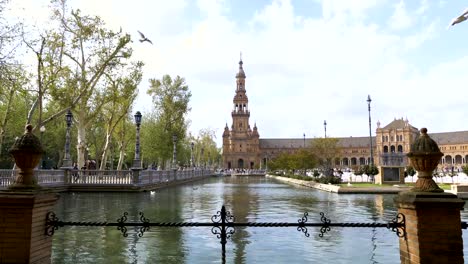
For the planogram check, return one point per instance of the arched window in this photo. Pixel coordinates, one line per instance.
(337, 161)
(385, 149)
(400, 148)
(392, 149)
(353, 161)
(345, 162)
(448, 159)
(362, 161)
(240, 164)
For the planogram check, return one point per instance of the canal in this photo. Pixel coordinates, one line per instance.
(249, 199)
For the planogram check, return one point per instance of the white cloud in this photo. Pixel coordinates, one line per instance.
(400, 19)
(300, 70)
(423, 7)
(355, 8)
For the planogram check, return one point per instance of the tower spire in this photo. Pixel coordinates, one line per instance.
(241, 73)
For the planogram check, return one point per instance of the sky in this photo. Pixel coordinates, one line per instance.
(306, 61)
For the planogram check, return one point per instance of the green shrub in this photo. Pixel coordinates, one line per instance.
(329, 179)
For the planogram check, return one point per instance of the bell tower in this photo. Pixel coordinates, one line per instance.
(240, 143)
(240, 113)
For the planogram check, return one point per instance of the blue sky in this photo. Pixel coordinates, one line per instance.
(305, 60)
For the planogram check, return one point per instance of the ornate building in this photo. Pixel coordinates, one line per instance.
(241, 143)
(243, 148)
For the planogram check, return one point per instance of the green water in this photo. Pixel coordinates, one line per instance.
(249, 199)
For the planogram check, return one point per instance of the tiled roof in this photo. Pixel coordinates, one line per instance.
(397, 124)
(356, 142)
(299, 142)
(450, 137)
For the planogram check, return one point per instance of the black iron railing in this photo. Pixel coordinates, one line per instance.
(223, 226)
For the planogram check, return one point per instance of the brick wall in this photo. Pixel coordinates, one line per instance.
(433, 230)
(22, 227)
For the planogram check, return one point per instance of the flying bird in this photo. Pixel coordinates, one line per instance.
(143, 38)
(460, 19)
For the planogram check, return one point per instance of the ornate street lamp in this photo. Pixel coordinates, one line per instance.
(42, 130)
(66, 159)
(191, 155)
(325, 126)
(136, 161)
(370, 131)
(174, 152)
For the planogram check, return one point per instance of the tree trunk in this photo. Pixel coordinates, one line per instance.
(121, 156)
(5, 118)
(105, 151)
(81, 146)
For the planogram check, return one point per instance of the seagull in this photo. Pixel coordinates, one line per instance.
(143, 38)
(460, 19)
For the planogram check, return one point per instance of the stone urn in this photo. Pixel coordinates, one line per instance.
(27, 152)
(424, 156)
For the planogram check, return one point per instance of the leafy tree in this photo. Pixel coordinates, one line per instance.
(325, 150)
(206, 141)
(74, 59)
(171, 98)
(300, 160)
(13, 100)
(280, 162)
(410, 171)
(465, 169)
(121, 94)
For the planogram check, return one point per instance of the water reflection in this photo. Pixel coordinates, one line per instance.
(249, 199)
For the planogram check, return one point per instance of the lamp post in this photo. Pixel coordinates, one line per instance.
(304, 139)
(42, 130)
(66, 159)
(370, 131)
(87, 154)
(174, 152)
(136, 161)
(325, 126)
(191, 155)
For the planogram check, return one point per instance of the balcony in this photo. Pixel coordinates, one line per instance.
(393, 159)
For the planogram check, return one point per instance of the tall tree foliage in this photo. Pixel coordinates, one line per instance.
(89, 50)
(121, 93)
(205, 151)
(12, 75)
(171, 99)
(325, 150)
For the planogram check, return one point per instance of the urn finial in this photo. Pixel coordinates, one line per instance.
(27, 152)
(424, 156)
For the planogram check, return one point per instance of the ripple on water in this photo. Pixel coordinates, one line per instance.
(253, 199)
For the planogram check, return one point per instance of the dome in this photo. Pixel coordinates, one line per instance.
(241, 73)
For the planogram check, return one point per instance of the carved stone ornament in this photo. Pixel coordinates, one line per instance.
(424, 156)
(27, 152)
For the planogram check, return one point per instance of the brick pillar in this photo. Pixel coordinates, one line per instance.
(22, 227)
(433, 228)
